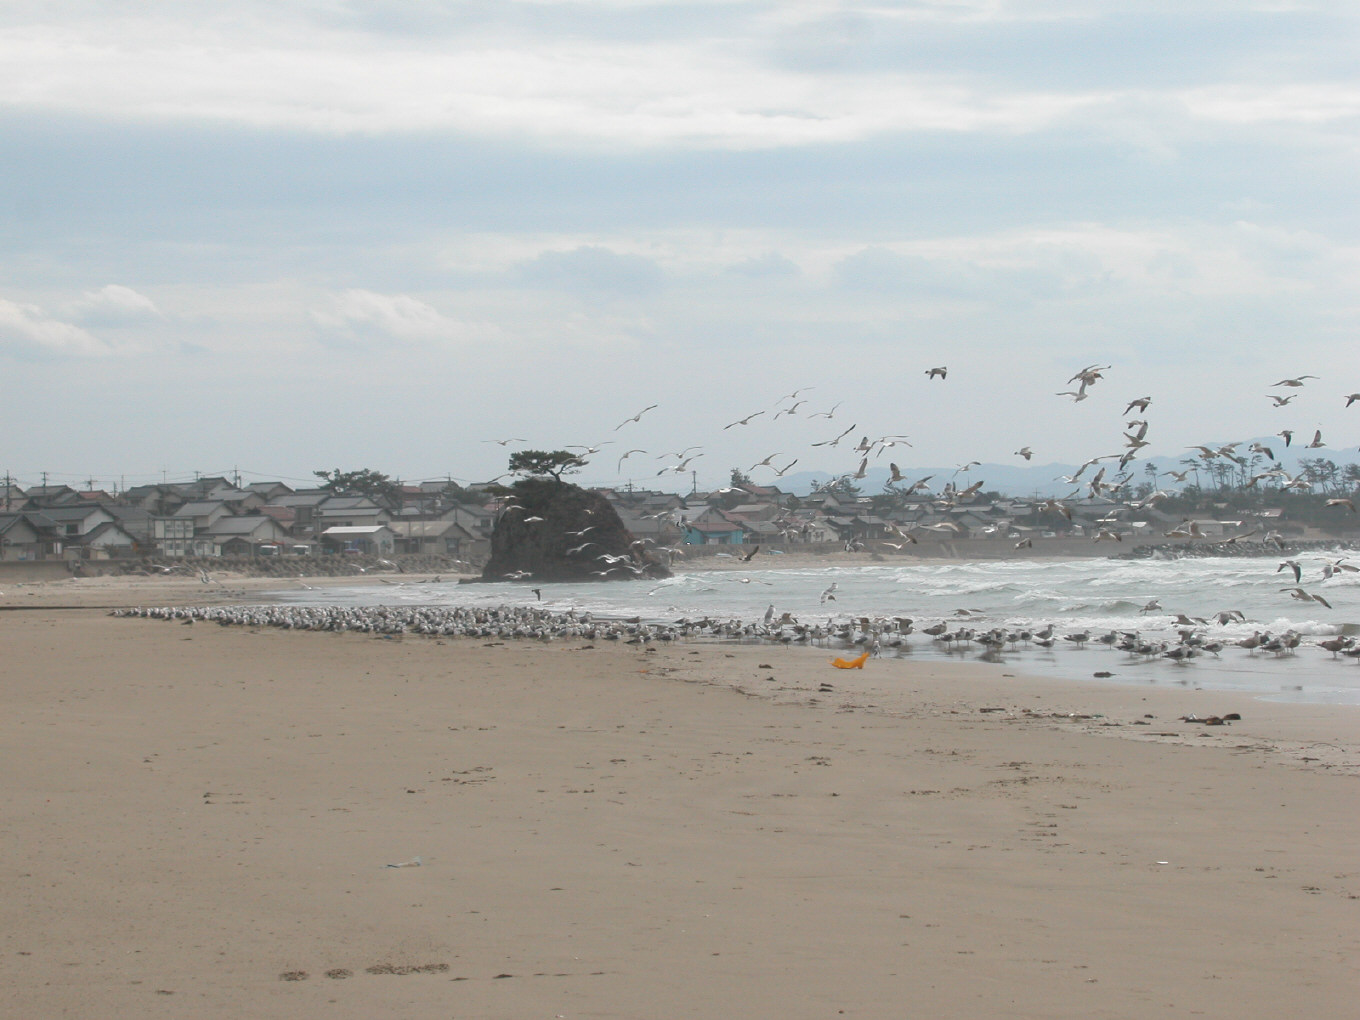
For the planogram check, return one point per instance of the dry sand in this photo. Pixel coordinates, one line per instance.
(198, 822)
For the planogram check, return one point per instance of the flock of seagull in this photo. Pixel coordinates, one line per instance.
(1134, 440)
(1109, 481)
(876, 636)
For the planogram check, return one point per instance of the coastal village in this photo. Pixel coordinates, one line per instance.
(217, 518)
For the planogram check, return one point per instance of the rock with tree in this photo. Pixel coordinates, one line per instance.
(551, 530)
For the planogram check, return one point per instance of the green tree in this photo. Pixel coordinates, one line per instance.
(540, 463)
(740, 477)
(456, 493)
(364, 482)
(841, 488)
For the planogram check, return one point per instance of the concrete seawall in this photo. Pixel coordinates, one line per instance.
(23, 571)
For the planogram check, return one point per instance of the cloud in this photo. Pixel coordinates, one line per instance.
(593, 269)
(28, 332)
(770, 265)
(116, 305)
(634, 78)
(881, 270)
(365, 314)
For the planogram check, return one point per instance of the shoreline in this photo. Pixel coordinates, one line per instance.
(209, 821)
(1229, 676)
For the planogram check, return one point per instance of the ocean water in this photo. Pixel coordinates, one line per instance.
(1092, 595)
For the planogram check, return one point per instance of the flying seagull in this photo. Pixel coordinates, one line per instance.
(626, 456)
(1304, 596)
(636, 417)
(1294, 566)
(743, 421)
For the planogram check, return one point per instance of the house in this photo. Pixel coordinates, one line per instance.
(710, 526)
(106, 541)
(70, 522)
(173, 537)
(203, 513)
(41, 496)
(349, 512)
(21, 538)
(269, 491)
(659, 530)
(433, 538)
(761, 532)
(134, 520)
(368, 539)
(763, 493)
(303, 504)
(477, 520)
(286, 517)
(206, 488)
(242, 501)
(755, 511)
(808, 528)
(713, 532)
(159, 500)
(243, 535)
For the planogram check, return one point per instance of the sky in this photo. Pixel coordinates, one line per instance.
(280, 237)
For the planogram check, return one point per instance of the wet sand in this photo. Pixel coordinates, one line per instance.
(199, 822)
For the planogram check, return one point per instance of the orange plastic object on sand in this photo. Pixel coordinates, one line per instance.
(850, 663)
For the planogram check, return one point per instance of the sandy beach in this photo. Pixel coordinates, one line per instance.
(204, 821)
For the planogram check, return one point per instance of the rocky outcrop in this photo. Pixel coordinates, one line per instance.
(556, 531)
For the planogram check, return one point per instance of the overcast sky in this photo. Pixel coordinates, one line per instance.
(284, 236)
